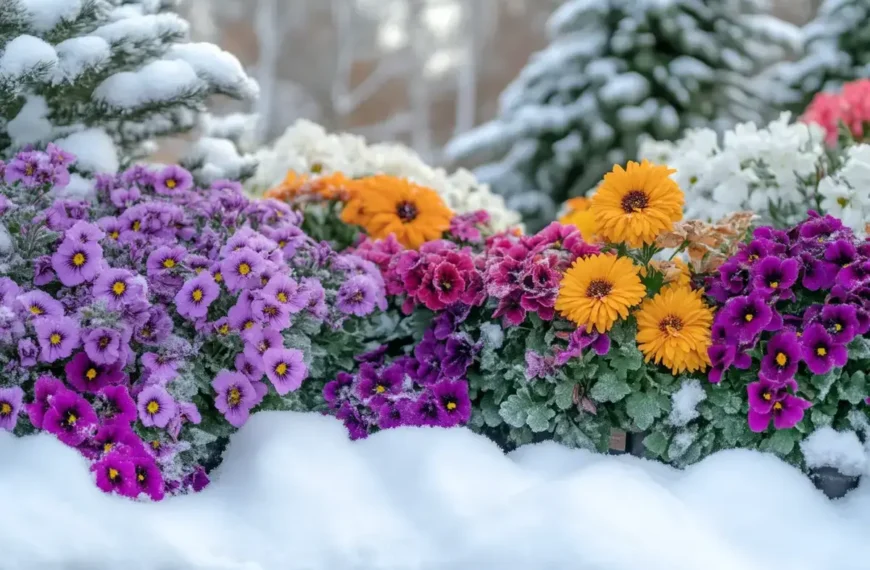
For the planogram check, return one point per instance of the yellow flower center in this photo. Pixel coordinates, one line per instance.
(777, 406)
(145, 332)
(71, 419)
(282, 297)
(634, 201)
(281, 244)
(781, 359)
(281, 369)
(753, 257)
(198, 270)
(599, 288)
(451, 405)
(234, 397)
(249, 324)
(380, 389)
(171, 183)
(36, 310)
(838, 327)
(196, 295)
(114, 234)
(218, 277)
(843, 202)
(119, 287)
(140, 477)
(244, 269)
(91, 373)
(774, 284)
(748, 317)
(168, 263)
(822, 351)
(107, 447)
(766, 396)
(155, 444)
(55, 339)
(79, 259)
(136, 225)
(671, 325)
(5, 409)
(263, 280)
(224, 329)
(153, 407)
(113, 473)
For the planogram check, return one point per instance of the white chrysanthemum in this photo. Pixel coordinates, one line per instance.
(846, 193)
(307, 147)
(771, 171)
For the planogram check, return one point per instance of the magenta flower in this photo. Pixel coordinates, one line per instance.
(116, 473)
(10, 406)
(285, 368)
(394, 413)
(77, 262)
(780, 363)
(379, 385)
(841, 322)
(160, 368)
(156, 406)
(235, 396)
(172, 180)
(102, 345)
(579, 341)
(44, 389)
(118, 437)
(241, 269)
(196, 295)
(116, 405)
(57, 337)
(429, 410)
(240, 315)
(747, 316)
(148, 479)
(357, 296)
(785, 413)
(87, 376)
(452, 397)
(35, 304)
(820, 352)
(70, 417)
(775, 276)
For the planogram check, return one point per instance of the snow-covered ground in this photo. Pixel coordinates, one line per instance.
(294, 493)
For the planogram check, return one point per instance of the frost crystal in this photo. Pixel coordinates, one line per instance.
(685, 403)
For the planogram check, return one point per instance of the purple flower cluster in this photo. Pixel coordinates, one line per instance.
(524, 273)
(132, 317)
(797, 296)
(427, 388)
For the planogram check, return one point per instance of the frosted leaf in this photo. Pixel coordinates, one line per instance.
(843, 451)
(680, 443)
(25, 54)
(685, 402)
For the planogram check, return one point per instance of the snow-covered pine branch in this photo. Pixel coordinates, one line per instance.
(615, 71)
(124, 67)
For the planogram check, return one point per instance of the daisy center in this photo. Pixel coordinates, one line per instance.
(406, 211)
(281, 369)
(234, 397)
(153, 407)
(119, 287)
(91, 373)
(599, 288)
(168, 263)
(822, 351)
(634, 201)
(79, 259)
(5, 409)
(55, 339)
(196, 295)
(781, 359)
(671, 325)
(244, 269)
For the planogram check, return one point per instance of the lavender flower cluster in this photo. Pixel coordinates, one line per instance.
(789, 298)
(140, 327)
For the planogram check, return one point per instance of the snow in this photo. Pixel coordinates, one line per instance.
(25, 53)
(219, 158)
(842, 450)
(31, 125)
(685, 401)
(44, 15)
(79, 54)
(627, 88)
(216, 66)
(94, 150)
(79, 188)
(294, 492)
(135, 29)
(159, 81)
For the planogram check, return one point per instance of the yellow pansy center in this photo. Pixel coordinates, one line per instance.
(91, 373)
(168, 263)
(218, 277)
(380, 389)
(71, 419)
(748, 317)
(234, 397)
(281, 369)
(171, 183)
(119, 287)
(36, 310)
(196, 295)
(114, 235)
(248, 324)
(153, 407)
(137, 225)
(113, 473)
(5, 409)
(777, 406)
(79, 259)
(838, 327)
(774, 284)
(781, 359)
(140, 476)
(55, 339)
(766, 396)
(282, 297)
(822, 351)
(224, 329)
(244, 269)
(451, 405)
(107, 447)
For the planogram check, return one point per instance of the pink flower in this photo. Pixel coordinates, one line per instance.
(851, 106)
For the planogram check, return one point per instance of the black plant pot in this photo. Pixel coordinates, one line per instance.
(635, 445)
(832, 483)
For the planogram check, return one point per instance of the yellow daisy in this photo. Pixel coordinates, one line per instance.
(599, 290)
(673, 328)
(580, 216)
(636, 204)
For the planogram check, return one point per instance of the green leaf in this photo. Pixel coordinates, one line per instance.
(627, 358)
(514, 410)
(564, 395)
(733, 428)
(609, 388)
(656, 443)
(859, 349)
(643, 409)
(490, 412)
(853, 390)
(539, 417)
(825, 381)
(819, 417)
(781, 442)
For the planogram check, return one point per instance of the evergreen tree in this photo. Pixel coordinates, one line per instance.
(615, 72)
(836, 51)
(105, 77)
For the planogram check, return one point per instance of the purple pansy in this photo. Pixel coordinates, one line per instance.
(117, 406)
(69, 417)
(285, 368)
(86, 375)
(235, 396)
(172, 180)
(820, 351)
(116, 473)
(76, 262)
(452, 398)
(57, 337)
(775, 276)
(156, 407)
(36, 304)
(780, 362)
(241, 269)
(196, 295)
(102, 345)
(10, 406)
